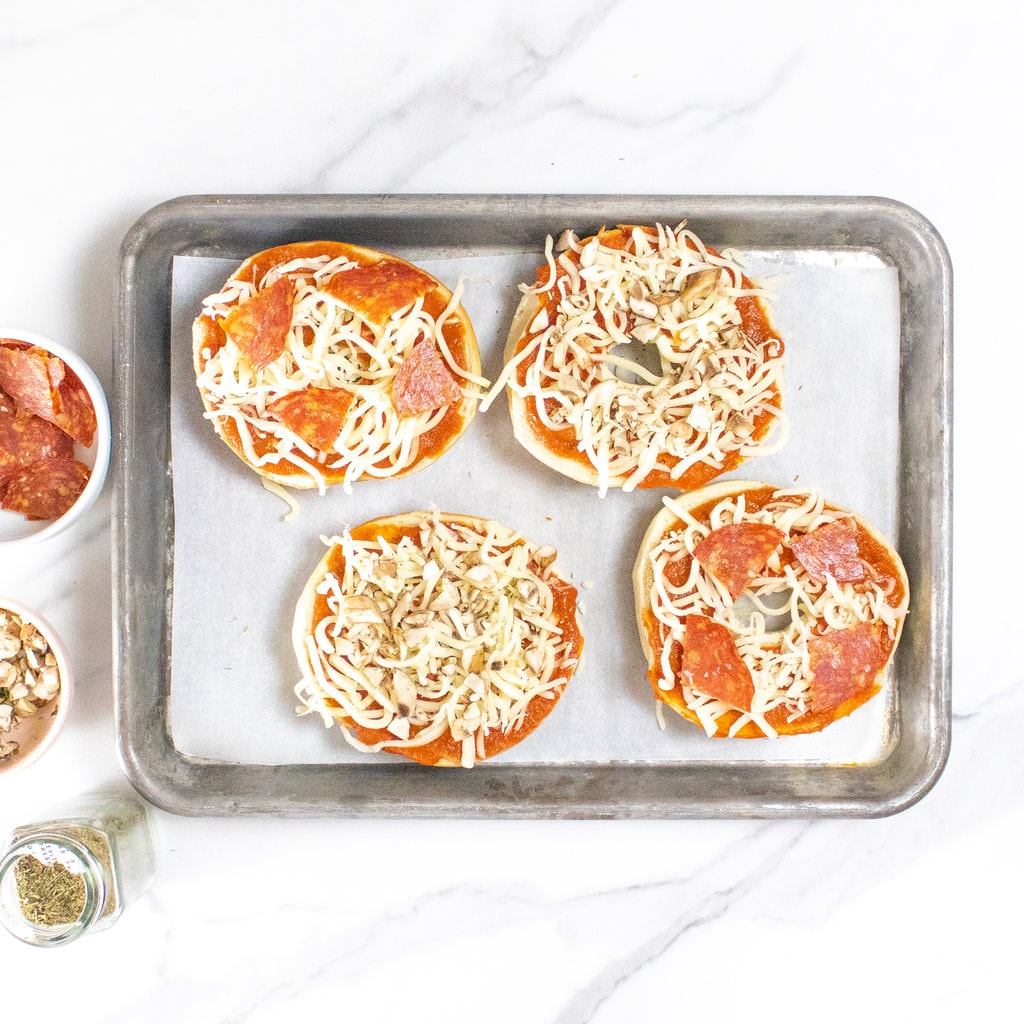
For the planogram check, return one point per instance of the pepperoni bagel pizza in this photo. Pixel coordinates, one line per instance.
(764, 611)
(642, 357)
(443, 638)
(322, 363)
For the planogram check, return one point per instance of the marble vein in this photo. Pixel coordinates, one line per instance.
(706, 908)
(453, 107)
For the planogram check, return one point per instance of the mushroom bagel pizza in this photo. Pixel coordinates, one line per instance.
(322, 363)
(443, 638)
(641, 357)
(765, 611)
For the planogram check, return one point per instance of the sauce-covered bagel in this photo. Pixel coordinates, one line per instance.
(765, 611)
(322, 363)
(642, 358)
(444, 638)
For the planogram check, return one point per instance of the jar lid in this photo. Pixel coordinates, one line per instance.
(52, 889)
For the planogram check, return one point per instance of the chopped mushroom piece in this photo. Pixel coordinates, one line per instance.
(700, 286)
(359, 608)
(545, 556)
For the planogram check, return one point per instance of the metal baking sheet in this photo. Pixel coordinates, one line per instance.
(900, 467)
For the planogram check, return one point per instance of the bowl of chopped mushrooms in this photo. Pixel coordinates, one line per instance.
(35, 686)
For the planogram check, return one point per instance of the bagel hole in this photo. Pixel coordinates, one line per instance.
(773, 606)
(642, 353)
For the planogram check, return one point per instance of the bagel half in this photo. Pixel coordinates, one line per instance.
(581, 403)
(322, 363)
(764, 611)
(443, 638)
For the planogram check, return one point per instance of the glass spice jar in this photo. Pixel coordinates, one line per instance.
(76, 870)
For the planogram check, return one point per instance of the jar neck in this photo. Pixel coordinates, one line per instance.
(36, 930)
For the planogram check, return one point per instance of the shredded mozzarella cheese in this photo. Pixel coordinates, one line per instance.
(285, 495)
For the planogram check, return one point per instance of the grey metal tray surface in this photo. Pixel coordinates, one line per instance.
(719, 782)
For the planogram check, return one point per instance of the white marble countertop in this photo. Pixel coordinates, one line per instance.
(112, 106)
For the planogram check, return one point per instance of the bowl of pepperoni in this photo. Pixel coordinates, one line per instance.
(54, 437)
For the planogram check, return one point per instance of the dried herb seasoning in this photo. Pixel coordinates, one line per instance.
(98, 846)
(49, 894)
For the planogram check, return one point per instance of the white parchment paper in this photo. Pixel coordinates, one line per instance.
(239, 568)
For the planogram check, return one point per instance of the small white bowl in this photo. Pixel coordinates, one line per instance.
(36, 734)
(15, 529)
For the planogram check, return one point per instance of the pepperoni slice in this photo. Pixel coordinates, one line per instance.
(26, 438)
(77, 415)
(736, 553)
(32, 377)
(423, 382)
(831, 550)
(46, 489)
(712, 664)
(844, 664)
(381, 289)
(315, 414)
(259, 326)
